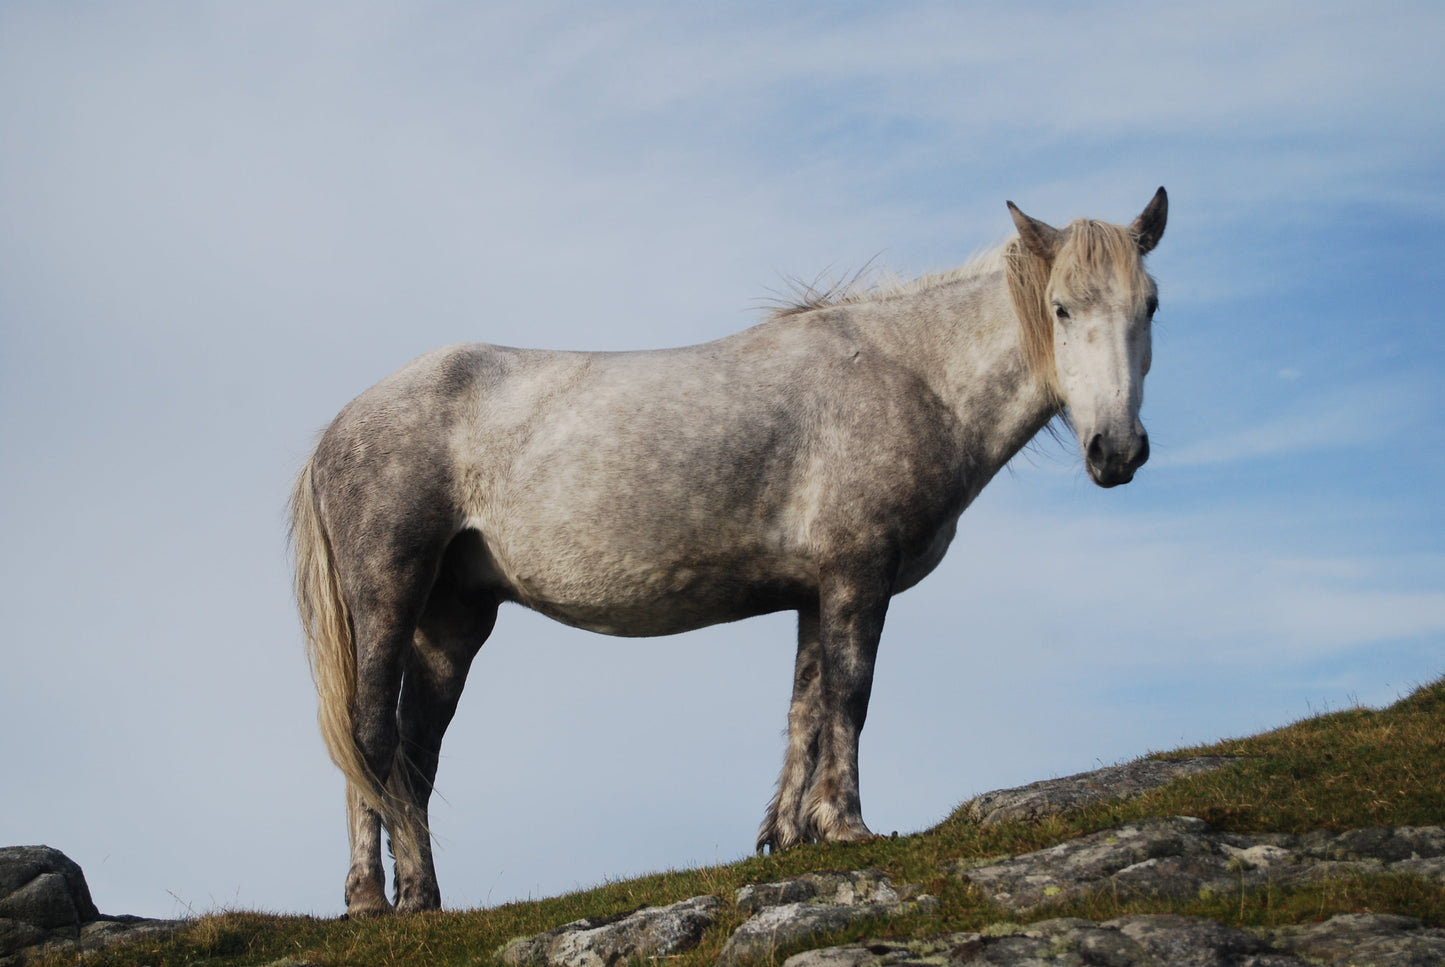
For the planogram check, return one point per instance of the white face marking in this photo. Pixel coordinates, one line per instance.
(1102, 350)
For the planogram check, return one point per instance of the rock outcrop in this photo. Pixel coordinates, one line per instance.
(45, 906)
(1182, 858)
(794, 910)
(644, 934)
(1053, 796)
(1349, 940)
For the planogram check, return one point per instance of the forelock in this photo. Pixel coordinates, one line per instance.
(1094, 252)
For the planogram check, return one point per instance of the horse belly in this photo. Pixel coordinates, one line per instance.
(619, 583)
(646, 618)
(639, 600)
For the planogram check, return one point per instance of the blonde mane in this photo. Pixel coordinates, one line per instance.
(863, 286)
(1028, 283)
(1088, 250)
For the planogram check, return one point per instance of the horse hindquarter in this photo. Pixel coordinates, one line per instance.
(376, 502)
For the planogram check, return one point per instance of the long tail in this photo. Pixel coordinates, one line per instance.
(331, 649)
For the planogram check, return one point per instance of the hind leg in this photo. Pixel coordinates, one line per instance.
(383, 635)
(783, 825)
(387, 591)
(453, 627)
(365, 880)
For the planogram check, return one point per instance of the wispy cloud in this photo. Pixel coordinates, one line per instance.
(1367, 415)
(1225, 579)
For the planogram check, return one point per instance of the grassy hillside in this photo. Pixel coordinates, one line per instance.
(1337, 771)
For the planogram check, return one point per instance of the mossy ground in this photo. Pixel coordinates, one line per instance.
(1344, 770)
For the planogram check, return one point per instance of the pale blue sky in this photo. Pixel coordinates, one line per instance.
(219, 222)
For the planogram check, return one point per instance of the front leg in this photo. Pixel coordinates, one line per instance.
(853, 604)
(783, 826)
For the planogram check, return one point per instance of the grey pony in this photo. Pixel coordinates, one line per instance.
(817, 463)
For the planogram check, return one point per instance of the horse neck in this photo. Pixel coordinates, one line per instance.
(964, 340)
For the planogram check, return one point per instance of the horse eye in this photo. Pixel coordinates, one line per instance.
(1060, 311)
(1152, 305)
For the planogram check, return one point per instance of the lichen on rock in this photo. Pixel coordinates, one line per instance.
(1184, 857)
(646, 933)
(791, 911)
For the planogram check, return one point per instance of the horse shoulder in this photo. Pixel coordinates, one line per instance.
(880, 455)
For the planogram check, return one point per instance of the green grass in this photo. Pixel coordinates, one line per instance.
(1348, 769)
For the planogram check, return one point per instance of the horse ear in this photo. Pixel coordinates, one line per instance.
(1148, 228)
(1040, 239)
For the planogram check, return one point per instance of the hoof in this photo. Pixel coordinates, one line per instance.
(419, 905)
(780, 837)
(363, 904)
(851, 832)
(368, 911)
(771, 847)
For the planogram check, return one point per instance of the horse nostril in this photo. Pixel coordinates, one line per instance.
(1095, 451)
(1143, 450)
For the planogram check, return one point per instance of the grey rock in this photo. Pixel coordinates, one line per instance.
(844, 889)
(1065, 870)
(649, 932)
(17, 935)
(1176, 941)
(811, 905)
(44, 902)
(1183, 857)
(1366, 939)
(44, 887)
(109, 931)
(762, 934)
(1191, 941)
(89, 938)
(848, 955)
(1384, 844)
(1053, 796)
(1430, 867)
(45, 907)
(1361, 940)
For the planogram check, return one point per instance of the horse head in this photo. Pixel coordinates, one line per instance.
(1085, 294)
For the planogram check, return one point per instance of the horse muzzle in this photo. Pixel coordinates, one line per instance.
(1112, 461)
